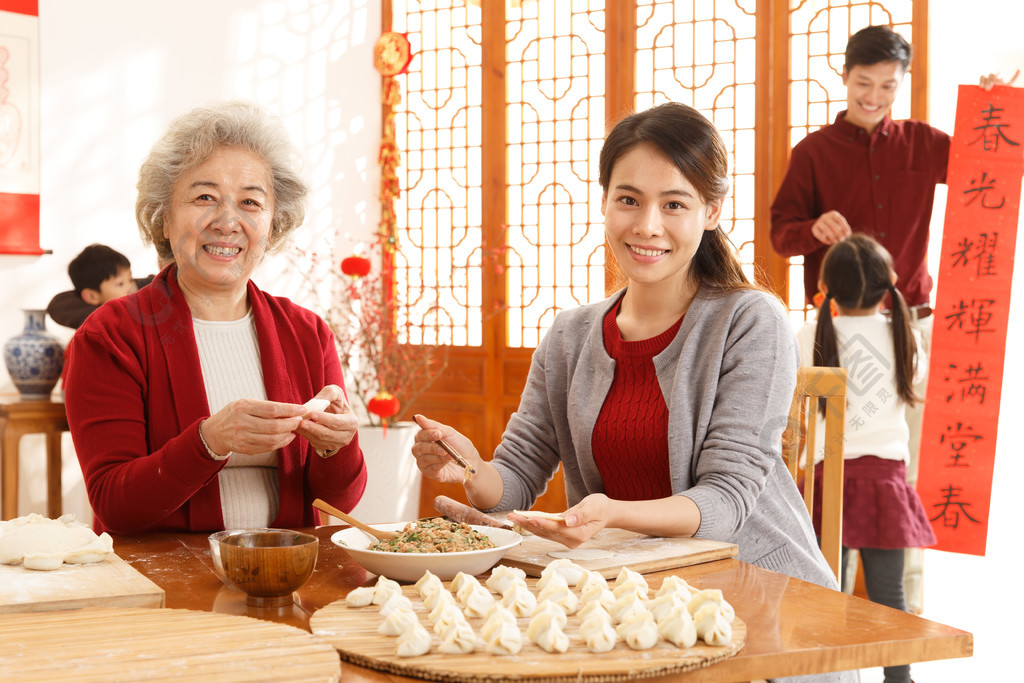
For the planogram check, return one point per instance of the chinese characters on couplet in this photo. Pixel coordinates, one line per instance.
(958, 438)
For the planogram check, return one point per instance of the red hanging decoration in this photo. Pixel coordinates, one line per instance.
(356, 266)
(383, 405)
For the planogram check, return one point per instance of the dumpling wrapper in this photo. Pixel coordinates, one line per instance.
(540, 514)
(315, 405)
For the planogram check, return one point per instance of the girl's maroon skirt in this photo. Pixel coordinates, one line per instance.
(880, 510)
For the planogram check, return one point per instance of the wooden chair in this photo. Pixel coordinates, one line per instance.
(800, 437)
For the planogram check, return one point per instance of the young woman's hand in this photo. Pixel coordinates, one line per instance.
(581, 522)
(435, 462)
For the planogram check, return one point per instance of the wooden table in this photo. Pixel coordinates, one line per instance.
(18, 418)
(793, 627)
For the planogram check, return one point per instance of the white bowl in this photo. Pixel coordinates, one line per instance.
(411, 566)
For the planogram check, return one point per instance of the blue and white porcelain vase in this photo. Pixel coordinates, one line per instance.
(34, 358)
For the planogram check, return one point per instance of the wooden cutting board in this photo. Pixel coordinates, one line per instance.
(110, 583)
(353, 631)
(116, 644)
(612, 549)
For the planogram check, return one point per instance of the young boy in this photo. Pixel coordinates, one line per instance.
(99, 274)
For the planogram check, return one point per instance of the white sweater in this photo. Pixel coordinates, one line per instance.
(876, 421)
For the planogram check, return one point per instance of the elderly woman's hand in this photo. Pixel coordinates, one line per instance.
(249, 427)
(334, 427)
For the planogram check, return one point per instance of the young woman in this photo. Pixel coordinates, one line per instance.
(665, 403)
(882, 514)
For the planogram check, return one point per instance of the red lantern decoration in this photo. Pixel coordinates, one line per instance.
(356, 266)
(383, 405)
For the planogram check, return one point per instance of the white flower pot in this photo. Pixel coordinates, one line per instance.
(393, 480)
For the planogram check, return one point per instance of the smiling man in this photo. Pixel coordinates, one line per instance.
(865, 173)
(868, 174)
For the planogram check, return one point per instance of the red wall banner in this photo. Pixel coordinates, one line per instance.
(961, 413)
(19, 127)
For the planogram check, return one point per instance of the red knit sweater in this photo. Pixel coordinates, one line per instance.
(630, 441)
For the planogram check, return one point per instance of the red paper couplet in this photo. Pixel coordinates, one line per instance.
(961, 413)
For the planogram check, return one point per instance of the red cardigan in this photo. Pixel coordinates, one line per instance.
(135, 396)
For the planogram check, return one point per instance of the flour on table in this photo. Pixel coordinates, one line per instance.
(582, 554)
(37, 542)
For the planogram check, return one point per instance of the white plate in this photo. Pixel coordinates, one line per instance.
(411, 566)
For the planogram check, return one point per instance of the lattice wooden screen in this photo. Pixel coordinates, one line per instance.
(703, 53)
(707, 53)
(438, 262)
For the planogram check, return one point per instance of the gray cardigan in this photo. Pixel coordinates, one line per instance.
(728, 379)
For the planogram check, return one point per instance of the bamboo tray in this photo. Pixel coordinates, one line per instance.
(353, 631)
(138, 644)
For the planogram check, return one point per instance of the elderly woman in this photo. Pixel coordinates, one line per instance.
(186, 399)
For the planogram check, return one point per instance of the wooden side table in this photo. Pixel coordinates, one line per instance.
(18, 418)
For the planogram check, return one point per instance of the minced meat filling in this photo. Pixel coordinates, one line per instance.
(436, 535)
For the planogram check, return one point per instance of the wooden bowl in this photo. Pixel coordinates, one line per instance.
(268, 565)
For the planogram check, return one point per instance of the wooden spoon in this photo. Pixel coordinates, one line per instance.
(331, 510)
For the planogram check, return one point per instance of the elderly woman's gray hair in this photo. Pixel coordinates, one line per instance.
(192, 138)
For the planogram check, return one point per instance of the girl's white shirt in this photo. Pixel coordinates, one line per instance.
(876, 421)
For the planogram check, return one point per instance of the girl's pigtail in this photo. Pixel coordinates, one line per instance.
(826, 347)
(904, 348)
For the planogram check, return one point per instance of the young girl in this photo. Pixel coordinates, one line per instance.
(882, 514)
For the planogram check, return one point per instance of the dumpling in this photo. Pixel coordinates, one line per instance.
(629, 581)
(593, 610)
(396, 601)
(664, 604)
(639, 630)
(360, 597)
(596, 593)
(467, 586)
(460, 580)
(674, 584)
(711, 624)
(502, 577)
(545, 630)
(501, 632)
(558, 592)
(459, 639)
(556, 612)
(415, 641)
(498, 614)
(448, 617)
(397, 622)
(564, 567)
(520, 600)
(597, 632)
(384, 589)
(591, 578)
(431, 602)
(677, 626)
(427, 584)
(714, 595)
(626, 606)
(478, 602)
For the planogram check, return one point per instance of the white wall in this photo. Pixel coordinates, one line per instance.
(115, 72)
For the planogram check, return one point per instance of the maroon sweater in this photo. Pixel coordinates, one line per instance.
(135, 396)
(883, 183)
